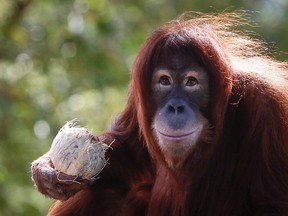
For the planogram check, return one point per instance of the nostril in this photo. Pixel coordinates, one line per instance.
(175, 109)
(171, 109)
(180, 109)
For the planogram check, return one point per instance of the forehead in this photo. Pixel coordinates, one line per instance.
(176, 60)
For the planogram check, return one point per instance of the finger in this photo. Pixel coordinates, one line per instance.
(64, 178)
(91, 181)
(56, 194)
(69, 179)
(62, 191)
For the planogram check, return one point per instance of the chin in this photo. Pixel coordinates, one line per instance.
(177, 147)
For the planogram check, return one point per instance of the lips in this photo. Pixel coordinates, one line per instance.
(176, 136)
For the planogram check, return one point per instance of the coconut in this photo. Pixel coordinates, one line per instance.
(76, 151)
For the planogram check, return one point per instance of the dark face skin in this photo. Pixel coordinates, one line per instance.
(180, 90)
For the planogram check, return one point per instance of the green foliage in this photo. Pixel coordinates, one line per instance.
(63, 59)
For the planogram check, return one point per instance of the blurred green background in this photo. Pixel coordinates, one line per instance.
(65, 59)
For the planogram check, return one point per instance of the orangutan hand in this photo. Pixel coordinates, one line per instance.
(53, 183)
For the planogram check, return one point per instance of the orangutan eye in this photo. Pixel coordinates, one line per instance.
(164, 80)
(192, 81)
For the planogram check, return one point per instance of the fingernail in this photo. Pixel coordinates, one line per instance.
(94, 179)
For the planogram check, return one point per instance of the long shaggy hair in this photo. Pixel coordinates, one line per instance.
(242, 169)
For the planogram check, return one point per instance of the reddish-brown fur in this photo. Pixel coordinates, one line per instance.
(242, 169)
